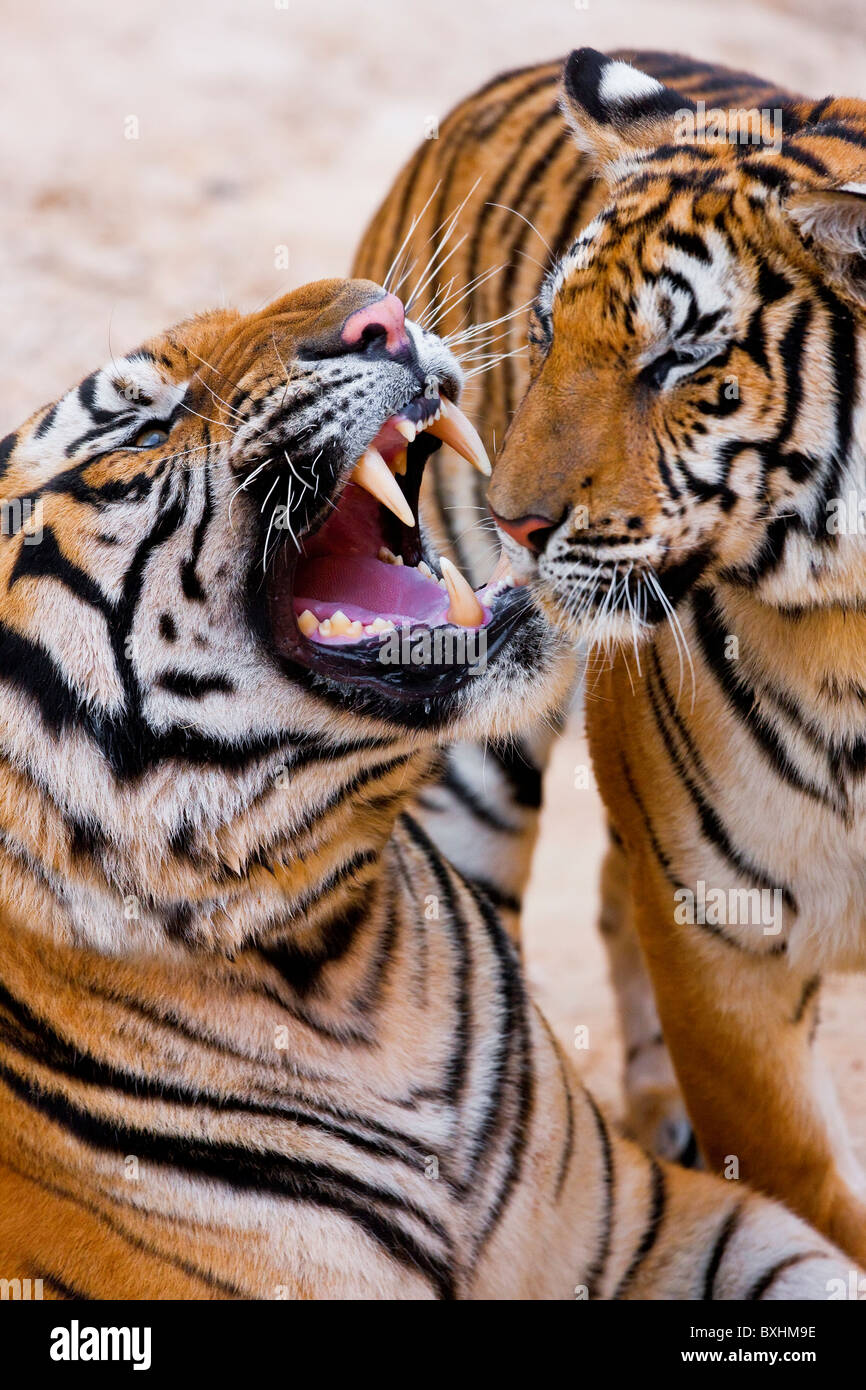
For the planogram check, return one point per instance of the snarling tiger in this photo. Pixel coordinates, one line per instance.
(257, 1037)
(685, 247)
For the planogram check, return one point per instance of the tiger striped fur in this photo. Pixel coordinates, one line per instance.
(690, 416)
(258, 1039)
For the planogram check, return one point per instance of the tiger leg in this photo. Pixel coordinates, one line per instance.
(633, 1227)
(739, 1028)
(655, 1112)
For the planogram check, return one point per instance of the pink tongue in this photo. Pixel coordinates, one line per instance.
(366, 589)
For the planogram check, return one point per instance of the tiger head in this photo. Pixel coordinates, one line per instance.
(695, 408)
(207, 547)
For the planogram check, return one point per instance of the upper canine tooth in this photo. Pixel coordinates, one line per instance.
(464, 608)
(372, 473)
(453, 428)
(407, 429)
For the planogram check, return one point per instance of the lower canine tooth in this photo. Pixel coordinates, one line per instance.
(464, 608)
(308, 623)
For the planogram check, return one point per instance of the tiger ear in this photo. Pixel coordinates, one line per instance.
(833, 221)
(616, 110)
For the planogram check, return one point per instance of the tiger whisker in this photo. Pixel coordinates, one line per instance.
(531, 225)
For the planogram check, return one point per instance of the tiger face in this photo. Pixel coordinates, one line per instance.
(206, 545)
(693, 409)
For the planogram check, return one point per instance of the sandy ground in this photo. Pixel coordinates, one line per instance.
(156, 159)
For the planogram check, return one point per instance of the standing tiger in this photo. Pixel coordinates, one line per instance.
(683, 448)
(257, 1037)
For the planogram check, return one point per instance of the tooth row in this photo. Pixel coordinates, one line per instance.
(389, 558)
(338, 625)
(411, 428)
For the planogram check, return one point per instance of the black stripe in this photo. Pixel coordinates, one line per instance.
(762, 1285)
(60, 1288)
(7, 446)
(712, 826)
(658, 1202)
(35, 1039)
(191, 687)
(741, 698)
(502, 901)
(246, 1170)
(524, 778)
(301, 966)
(689, 242)
(47, 421)
(568, 1140)
(810, 989)
(190, 582)
(473, 803)
(728, 1227)
(516, 1049)
(458, 1064)
(134, 1242)
(599, 1263)
(47, 560)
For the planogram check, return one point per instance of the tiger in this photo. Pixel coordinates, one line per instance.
(258, 1038)
(680, 249)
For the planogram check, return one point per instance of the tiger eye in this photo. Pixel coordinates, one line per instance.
(151, 438)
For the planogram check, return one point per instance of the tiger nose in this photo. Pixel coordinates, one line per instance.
(533, 532)
(380, 324)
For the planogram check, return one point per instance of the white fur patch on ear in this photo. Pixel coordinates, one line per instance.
(620, 82)
(834, 218)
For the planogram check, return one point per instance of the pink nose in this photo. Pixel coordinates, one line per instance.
(533, 532)
(384, 319)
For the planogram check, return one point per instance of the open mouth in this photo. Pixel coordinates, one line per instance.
(363, 599)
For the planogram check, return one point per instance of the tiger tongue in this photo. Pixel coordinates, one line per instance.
(364, 588)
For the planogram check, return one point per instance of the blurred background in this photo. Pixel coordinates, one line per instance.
(160, 158)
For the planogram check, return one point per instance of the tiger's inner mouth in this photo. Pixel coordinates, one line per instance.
(366, 571)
